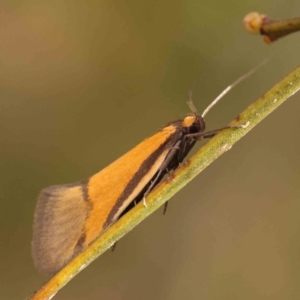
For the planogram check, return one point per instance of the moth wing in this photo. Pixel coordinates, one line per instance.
(58, 226)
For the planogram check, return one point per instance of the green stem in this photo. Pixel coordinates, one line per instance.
(185, 173)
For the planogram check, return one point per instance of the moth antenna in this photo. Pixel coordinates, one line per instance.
(192, 106)
(190, 101)
(235, 83)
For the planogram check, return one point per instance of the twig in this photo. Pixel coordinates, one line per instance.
(271, 30)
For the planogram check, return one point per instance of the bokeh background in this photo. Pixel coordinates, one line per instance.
(82, 82)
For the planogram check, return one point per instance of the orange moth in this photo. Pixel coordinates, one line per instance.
(69, 217)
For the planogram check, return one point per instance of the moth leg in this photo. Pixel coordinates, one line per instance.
(170, 156)
(113, 247)
(165, 207)
(162, 168)
(209, 136)
(212, 133)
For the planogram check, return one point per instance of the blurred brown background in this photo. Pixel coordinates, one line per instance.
(83, 82)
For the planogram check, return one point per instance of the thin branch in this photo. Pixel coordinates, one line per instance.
(191, 168)
(271, 30)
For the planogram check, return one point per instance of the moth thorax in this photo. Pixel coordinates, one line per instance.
(188, 121)
(194, 123)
